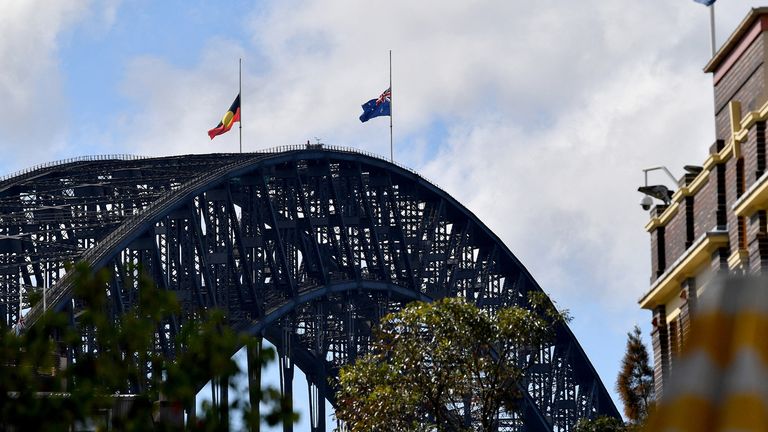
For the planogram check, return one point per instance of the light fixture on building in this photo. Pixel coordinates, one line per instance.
(693, 169)
(659, 192)
(646, 202)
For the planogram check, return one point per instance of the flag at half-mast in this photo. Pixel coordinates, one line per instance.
(378, 107)
(230, 117)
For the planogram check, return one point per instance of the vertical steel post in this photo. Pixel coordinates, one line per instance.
(192, 413)
(316, 402)
(254, 380)
(214, 397)
(224, 402)
(286, 374)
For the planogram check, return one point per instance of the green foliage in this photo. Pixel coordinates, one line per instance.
(635, 383)
(430, 360)
(601, 424)
(37, 393)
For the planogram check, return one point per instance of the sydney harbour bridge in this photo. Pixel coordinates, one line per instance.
(306, 247)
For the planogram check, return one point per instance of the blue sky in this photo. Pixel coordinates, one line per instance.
(538, 116)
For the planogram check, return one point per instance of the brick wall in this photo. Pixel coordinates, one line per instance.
(675, 235)
(723, 125)
(720, 260)
(721, 214)
(658, 254)
(749, 154)
(658, 246)
(688, 294)
(753, 152)
(760, 160)
(705, 207)
(695, 216)
(744, 82)
(660, 341)
(712, 206)
(756, 233)
(730, 198)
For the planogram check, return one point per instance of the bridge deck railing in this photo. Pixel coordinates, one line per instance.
(342, 149)
(90, 158)
(278, 149)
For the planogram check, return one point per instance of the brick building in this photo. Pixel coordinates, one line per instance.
(717, 219)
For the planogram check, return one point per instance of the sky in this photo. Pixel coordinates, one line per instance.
(539, 116)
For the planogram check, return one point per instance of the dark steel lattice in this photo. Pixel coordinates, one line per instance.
(306, 246)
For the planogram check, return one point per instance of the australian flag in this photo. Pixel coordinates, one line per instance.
(377, 107)
(706, 2)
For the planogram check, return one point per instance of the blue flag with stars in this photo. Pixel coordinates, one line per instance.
(377, 107)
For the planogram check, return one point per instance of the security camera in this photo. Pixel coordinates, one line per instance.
(646, 202)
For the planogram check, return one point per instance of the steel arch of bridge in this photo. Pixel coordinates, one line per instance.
(306, 246)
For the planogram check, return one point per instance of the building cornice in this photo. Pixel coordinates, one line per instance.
(688, 265)
(755, 198)
(750, 27)
(664, 218)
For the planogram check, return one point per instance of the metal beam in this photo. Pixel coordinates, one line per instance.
(387, 216)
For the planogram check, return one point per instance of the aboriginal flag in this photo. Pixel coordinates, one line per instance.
(230, 117)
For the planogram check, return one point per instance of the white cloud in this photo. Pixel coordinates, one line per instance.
(33, 115)
(551, 110)
(29, 84)
(566, 193)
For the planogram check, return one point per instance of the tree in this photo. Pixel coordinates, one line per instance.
(635, 381)
(38, 393)
(446, 365)
(601, 424)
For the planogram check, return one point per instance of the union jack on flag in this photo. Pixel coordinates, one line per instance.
(378, 107)
(385, 97)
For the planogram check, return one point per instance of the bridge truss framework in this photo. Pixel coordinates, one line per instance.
(306, 246)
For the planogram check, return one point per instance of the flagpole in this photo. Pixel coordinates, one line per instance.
(712, 27)
(240, 94)
(391, 148)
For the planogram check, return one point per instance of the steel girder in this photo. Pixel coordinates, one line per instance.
(306, 246)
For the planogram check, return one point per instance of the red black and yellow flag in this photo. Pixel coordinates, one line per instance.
(230, 117)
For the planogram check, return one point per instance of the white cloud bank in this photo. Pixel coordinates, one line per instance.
(30, 85)
(550, 109)
(34, 108)
(538, 116)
